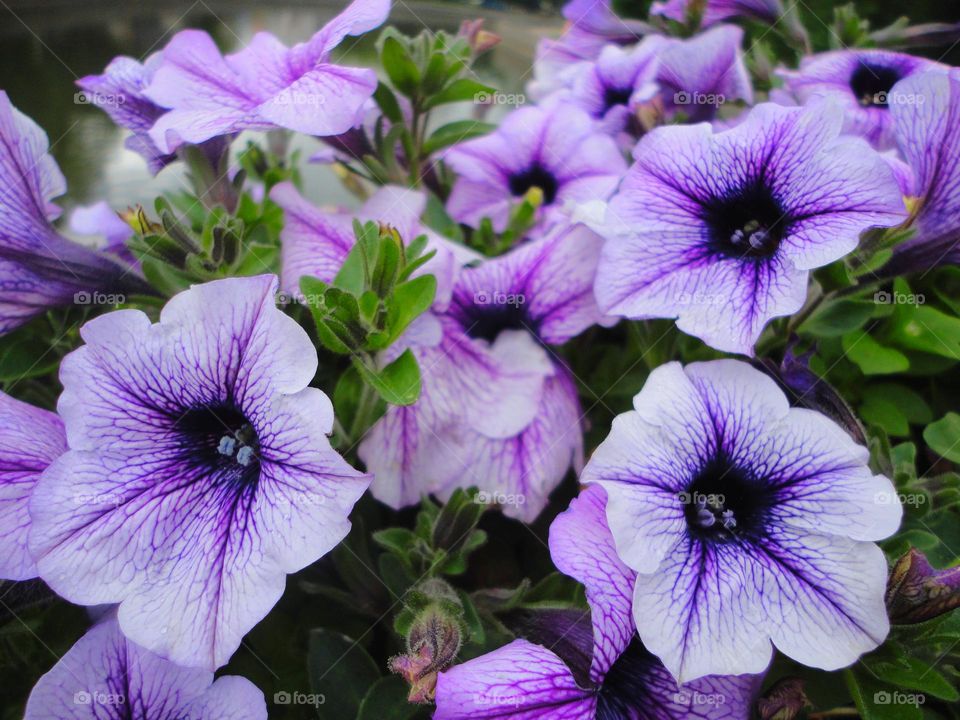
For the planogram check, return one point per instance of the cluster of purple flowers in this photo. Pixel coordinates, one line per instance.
(187, 470)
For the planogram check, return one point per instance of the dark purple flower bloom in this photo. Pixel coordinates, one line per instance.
(119, 92)
(39, 268)
(715, 11)
(497, 410)
(584, 678)
(720, 230)
(749, 523)
(928, 133)
(107, 677)
(30, 439)
(700, 74)
(861, 81)
(555, 148)
(263, 86)
(199, 472)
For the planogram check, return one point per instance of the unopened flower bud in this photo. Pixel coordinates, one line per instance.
(432, 645)
(917, 592)
(785, 700)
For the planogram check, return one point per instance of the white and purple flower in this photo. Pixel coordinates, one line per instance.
(557, 148)
(264, 86)
(199, 473)
(862, 82)
(104, 676)
(750, 524)
(721, 229)
(583, 675)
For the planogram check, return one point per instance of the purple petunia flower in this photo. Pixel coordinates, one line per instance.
(581, 677)
(119, 92)
(700, 74)
(30, 439)
(107, 677)
(749, 523)
(263, 86)
(199, 472)
(39, 268)
(556, 148)
(927, 128)
(715, 11)
(720, 230)
(497, 410)
(861, 81)
(611, 88)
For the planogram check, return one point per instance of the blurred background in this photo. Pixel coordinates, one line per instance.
(45, 45)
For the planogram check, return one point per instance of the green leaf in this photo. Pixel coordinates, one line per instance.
(387, 700)
(921, 327)
(346, 396)
(342, 671)
(409, 301)
(870, 356)
(401, 69)
(459, 90)
(455, 132)
(837, 318)
(894, 407)
(397, 539)
(24, 355)
(914, 674)
(387, 102)
(398, 383)
(943, 436)
(873, 698)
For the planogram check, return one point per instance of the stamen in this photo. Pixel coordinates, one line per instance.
(245, 455)
(227, 446)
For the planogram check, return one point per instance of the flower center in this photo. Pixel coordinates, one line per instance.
(724, 501)
(534, 176)
(491, 314)
(749, 223)
(871, 84)
(613, 96)
(221, 440)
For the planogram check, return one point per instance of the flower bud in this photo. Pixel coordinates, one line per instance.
(785, 700)
(917, 592)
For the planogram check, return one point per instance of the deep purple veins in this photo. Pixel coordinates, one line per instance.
(220, 439)
(748, 223)
(725, 501)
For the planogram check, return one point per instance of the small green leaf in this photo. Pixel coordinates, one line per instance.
(460, 90)
(401, 69)
(921, 327)
(387, 102)
(455, 132)
(387, 700)
(398, 383)
(409, 301)
(340, 670)
(837, 318)
(943, 436)
(870, 356)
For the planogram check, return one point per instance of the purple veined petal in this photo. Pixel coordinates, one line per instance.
(199, 471)
(925, 125)
(518, 473)
(100, 219)
(119, 92)
(315, 242)
(582, 547)
(359, 17)
(327, 100)
(104, 676)
(702, 73)
(207, 97)
(30, 439)
(861, 81)
(520, 680)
